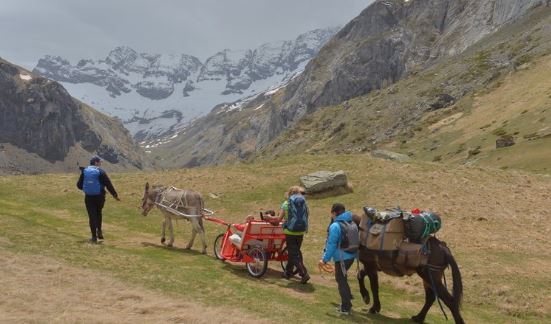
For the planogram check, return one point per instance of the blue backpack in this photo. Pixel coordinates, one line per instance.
(297, 220)
(91, 185)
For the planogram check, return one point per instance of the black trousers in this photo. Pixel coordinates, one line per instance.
(94, 205)
(294, 242)
(342, 282)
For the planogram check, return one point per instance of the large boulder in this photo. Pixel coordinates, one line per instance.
(323, 181)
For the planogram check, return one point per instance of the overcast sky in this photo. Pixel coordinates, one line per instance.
(78, 29)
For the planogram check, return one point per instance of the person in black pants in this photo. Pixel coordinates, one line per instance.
(293, 239)
(93, 181)
(343, 259)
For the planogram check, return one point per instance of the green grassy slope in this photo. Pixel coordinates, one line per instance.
(520, 107)
(504, 282)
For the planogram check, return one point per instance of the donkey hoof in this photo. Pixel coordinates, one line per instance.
(187, 247)
(374, 310)
(169, 245)
(417, 319)
(163, 240)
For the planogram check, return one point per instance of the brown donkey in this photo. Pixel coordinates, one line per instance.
(432, 273)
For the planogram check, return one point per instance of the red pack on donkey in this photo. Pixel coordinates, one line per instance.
(399, 243)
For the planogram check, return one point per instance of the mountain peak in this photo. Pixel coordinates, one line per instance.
(121, 56)
(156, 94)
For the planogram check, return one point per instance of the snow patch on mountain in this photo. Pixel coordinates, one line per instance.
(25, 77)
(157, 95)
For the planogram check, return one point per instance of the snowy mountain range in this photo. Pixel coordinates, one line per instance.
(157, 94)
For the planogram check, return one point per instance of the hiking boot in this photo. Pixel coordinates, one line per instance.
(305, 278)
(342, 311)
(100, 235)
(93, 240)
(285, 275)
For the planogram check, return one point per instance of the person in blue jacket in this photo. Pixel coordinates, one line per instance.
(93, 180)
(343, 259)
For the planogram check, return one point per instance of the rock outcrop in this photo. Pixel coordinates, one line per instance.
(385, 42)
(39, 117)
(505, 141)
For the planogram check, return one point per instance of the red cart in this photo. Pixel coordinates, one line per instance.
(258, 243)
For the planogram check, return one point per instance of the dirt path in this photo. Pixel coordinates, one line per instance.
(42, 290)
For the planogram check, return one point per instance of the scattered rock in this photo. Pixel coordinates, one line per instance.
(441, 100)
(323, 181)
(505, 141)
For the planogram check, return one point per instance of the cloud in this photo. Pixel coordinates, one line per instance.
(90, 29)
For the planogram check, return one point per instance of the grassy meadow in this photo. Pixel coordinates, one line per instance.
(495, 221)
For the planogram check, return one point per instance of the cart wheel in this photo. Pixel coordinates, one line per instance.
(218, 247)
(284, 263)
(258, 267)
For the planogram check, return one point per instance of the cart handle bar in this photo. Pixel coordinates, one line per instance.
(177, 212)
(217, 220)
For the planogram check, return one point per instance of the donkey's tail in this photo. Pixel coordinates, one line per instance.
(457, 291)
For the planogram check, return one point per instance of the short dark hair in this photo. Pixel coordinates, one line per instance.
(95, 159)
(338, 208)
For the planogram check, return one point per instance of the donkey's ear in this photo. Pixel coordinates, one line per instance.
(146, 186)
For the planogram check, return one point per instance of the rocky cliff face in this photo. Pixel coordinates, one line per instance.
(37, 116)
(389, 40)
(146, 87)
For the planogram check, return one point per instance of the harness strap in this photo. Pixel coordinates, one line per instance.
(436, 293)
(383, 237)
(184, 194)
(160, 196)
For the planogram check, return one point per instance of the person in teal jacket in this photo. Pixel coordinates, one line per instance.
(343, 259)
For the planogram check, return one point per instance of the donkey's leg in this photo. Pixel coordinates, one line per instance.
(361, 276)
(429, 300)
(447, 298)
(163, 239)
(171, 231)
(203, 236)
(192, 239)
(374, 282)
(193, 234)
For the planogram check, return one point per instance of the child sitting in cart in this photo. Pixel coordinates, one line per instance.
(238, 229)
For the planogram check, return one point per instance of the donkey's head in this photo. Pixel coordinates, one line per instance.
(148, 200)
